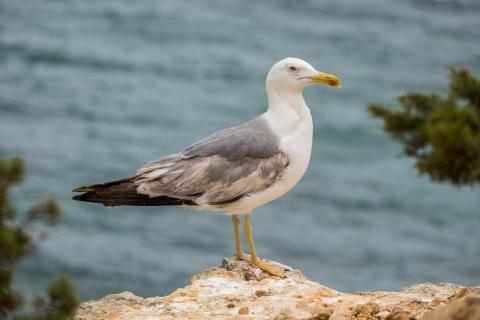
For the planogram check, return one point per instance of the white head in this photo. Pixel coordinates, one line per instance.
(292, 74)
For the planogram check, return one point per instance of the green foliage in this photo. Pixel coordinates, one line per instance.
(16, 242)
(441, 133)
(62, 298)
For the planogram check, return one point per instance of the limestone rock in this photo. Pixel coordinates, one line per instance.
(236, 290)
(467, 308)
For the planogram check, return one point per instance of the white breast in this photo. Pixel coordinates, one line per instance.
(295, 128)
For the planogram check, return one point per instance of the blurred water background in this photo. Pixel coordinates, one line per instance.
(91, 90)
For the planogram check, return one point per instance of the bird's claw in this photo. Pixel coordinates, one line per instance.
(243, 256)
(265, 266)
(261, 264)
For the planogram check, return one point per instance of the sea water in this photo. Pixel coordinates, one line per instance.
(92, 90)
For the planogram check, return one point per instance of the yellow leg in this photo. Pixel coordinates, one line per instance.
(238, 241)
(255, 260)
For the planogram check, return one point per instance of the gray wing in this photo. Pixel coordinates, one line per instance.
(252, 139)
(219, 169)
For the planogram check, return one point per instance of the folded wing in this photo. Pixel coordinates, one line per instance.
(219, 169)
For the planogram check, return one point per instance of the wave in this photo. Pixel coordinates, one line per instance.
(32, 55)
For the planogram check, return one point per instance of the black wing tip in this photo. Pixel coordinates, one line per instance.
(123, 192)
(109, 200)
(95, 187)
(79, 197)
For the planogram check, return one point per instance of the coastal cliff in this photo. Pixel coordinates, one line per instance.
(235, 290)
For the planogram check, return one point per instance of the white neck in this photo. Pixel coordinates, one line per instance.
(287, 109)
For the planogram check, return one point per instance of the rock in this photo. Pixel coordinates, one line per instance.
(367, 311)
(243, 310)
(467, 308)
(236, 290)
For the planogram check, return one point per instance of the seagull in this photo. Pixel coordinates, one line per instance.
(234, 170)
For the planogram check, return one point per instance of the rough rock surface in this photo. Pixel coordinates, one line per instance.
(467, 308)
(236, 290)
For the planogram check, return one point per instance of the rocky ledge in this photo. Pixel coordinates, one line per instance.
(235, 290)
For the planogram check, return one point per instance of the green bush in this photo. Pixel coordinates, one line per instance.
(16, 243)
(441, 133)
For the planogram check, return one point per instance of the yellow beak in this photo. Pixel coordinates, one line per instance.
(328, 79)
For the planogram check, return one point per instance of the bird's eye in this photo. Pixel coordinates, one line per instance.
(292, 68)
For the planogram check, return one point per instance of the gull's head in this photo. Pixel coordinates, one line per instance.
(296, 74)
